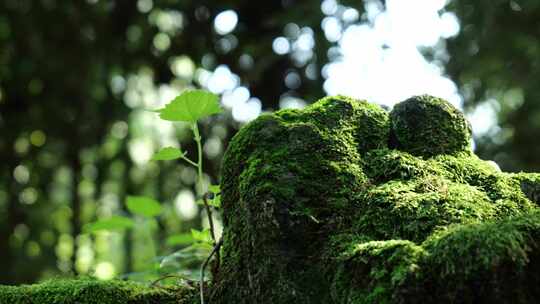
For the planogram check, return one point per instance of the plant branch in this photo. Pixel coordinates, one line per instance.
(203, 267)
(197, 138)
(210, 219)
(190, 161)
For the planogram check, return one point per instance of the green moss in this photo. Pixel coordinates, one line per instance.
(276, 172)
(366, 125)
(383, 165)
(344, 203)
(379, 268)
(465, 250)
(88, 291)
(425, 125)
(530, 185)
(413, 210)
(495, 261)
(327, 205)
(464, 167)
(490, 262)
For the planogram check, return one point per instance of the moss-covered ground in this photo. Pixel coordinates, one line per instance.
(90, 291)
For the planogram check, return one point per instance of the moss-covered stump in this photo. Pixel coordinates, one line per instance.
(88, 291)
(343, 202)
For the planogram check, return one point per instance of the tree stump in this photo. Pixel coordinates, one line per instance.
(343, 202)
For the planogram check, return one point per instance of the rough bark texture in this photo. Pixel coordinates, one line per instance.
(343, 202)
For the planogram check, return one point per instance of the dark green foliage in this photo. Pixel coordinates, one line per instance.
(318, 208)
(88, 291)
(425, 125)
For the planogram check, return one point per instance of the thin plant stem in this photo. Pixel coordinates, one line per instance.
(190, 161)
(197, 138)
(203, 267)
(216, 244)
(210, 219)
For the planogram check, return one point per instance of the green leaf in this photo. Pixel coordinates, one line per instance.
(206, 246)
(180, 239)
(214, 189)
(144, 206)
(201, 236)
(216, 202)
(168, 153)
(114, 223)
(191, 106)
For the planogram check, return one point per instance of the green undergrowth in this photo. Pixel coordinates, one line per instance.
(345, 202)
(90, 291)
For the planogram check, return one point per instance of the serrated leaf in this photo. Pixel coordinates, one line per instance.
(113, 223)
(191, 106)
(214, 189)
(180, 239)
(168, 153)
(144, 206)
(201, 236)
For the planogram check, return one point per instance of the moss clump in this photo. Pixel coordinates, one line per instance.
(89, 291)
(425, 125)
(412, 210)
(383, 165)
(344, 203)
(530, 185)
(380, 268)
(489, 262)
(275, 210)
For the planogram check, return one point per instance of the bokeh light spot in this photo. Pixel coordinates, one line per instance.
(281, 46)
(105, 271)
(225, 22)
(38, 138)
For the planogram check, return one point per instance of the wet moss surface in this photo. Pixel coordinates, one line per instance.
(344, 202)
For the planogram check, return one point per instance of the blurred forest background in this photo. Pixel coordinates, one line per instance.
(77, 79)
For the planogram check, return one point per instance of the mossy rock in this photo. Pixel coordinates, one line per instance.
(343, 202)
(90, 291)
(426, 125)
